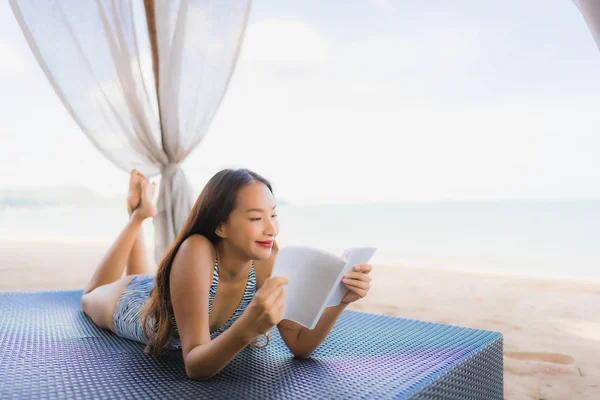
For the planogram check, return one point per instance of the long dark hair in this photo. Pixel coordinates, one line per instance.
(216, 201)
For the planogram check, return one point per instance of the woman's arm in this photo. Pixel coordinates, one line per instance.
(302, 341)
(206, 360)
(190, 280)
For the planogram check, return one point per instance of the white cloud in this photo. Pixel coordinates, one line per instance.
(285, 43)
(426, 44)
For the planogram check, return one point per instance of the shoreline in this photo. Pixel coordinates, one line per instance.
(386, 262)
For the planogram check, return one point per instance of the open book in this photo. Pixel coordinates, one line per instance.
(315, 279)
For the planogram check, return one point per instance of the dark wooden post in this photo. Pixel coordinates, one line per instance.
(151, 21)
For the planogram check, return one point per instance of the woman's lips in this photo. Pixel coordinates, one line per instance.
(266, 244)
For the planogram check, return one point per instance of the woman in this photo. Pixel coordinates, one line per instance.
(212, 294)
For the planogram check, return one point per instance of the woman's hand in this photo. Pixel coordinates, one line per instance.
(267, 307)
(358, 281)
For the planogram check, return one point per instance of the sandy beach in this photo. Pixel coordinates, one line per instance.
(551, 326)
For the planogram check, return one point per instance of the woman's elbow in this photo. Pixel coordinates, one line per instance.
(299, 351)
(195, 376)
(302, 354)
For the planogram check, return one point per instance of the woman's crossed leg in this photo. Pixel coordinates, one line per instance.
(102, 293)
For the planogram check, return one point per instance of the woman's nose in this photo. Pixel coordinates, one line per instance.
(271, 227)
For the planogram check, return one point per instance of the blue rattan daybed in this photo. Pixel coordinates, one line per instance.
(49, 349)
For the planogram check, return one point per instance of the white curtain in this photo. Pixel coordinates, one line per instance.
(591, 13)
(143, 79)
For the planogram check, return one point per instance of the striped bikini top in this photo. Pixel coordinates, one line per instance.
(246, 299)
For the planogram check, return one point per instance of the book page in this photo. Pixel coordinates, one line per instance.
(352, 257)
(312, 274)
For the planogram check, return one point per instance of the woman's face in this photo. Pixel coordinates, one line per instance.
(253, 220)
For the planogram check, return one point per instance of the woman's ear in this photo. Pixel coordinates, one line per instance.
(220, 231)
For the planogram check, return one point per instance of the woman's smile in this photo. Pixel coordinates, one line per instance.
(268, 244)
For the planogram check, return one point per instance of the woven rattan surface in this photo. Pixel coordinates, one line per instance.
(49, 349)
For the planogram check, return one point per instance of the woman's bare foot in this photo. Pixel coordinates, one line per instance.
(146, 208)
(135, 190)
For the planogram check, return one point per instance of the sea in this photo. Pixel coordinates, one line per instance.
(531, 237)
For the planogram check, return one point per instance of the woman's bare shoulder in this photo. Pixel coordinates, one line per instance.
(197, 243)
(195, 253)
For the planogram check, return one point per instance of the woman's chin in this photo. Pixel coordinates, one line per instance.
(262, 254)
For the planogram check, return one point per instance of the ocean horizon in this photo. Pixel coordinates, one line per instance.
(533, 237)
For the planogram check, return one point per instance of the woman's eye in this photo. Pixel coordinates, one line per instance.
(258, 219)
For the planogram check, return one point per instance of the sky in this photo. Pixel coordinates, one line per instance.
(372, 101)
